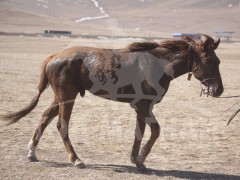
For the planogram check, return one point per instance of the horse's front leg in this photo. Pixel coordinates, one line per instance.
(139, 131)
(144, 115)
(155, 132)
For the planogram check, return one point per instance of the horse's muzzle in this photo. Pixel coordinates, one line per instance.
(216, 89)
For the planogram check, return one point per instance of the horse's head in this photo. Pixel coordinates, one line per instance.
(206, 67)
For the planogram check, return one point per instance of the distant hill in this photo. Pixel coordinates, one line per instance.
(121, 17)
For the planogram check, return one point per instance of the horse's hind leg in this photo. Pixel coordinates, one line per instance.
(66, 103)
(47, 116)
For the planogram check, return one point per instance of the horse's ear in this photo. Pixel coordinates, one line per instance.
(208, 43)
(215, 45)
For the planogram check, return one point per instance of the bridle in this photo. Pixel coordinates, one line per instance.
(194, 68)
(204, 90)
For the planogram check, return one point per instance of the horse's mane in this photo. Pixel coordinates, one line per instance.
(175, 45)
(172, 45)
(142, 46)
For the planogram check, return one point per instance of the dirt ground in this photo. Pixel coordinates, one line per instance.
(195, 142)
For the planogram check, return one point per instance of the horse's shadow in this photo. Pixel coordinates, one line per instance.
(160, 173)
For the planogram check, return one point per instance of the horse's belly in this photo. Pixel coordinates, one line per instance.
(125, 91)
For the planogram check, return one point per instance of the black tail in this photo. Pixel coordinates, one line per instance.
(16, 116)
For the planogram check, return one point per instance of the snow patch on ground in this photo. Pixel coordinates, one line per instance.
(102, 11)
(42, 3)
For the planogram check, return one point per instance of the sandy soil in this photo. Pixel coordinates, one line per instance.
(195, 142)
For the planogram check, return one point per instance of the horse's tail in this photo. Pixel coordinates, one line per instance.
(43, 84)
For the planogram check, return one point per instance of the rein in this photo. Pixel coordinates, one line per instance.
(235, 113)
(230, 97)
(224, 97)
(206, 91)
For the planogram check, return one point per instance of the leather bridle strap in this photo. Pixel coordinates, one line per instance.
(190, 72)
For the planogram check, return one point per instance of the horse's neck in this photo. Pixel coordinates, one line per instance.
(181, 65)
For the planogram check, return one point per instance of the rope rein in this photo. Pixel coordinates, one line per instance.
(206, 91)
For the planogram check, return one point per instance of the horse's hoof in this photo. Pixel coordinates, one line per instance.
(133, 160)
(142, 168)
(140, 159)
(32, 159)
(79, 164)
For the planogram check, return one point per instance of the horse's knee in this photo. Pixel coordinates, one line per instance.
(155, 130)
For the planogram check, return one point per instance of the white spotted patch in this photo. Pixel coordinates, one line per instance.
(31, 149)
(64, 128)
(134, 69)
(150, 120)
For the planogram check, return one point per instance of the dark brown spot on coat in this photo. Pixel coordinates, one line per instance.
(126, 90)
(147, 89)
(165, 81)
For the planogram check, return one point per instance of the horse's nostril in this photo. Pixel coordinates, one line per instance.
(219, 91)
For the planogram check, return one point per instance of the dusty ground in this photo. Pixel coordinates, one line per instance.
(195, 142)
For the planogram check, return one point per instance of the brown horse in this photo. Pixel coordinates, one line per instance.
(139, 74)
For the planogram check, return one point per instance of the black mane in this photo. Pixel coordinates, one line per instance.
(172, 45)
(142, 46)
